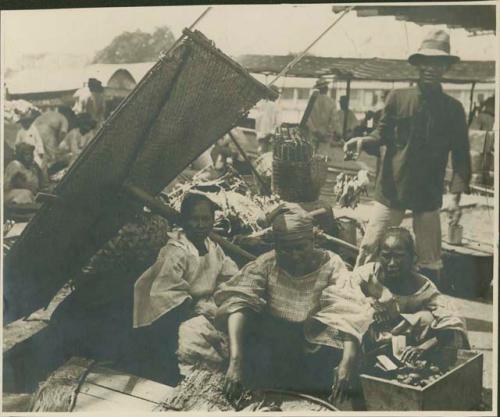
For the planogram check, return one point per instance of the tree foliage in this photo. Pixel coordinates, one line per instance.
(136, 46)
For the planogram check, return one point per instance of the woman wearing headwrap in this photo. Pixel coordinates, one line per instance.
(278, 337)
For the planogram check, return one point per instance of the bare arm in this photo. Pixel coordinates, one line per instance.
(380, 136)
(236, 324)
(345, 371)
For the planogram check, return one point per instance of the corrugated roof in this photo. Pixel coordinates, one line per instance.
(472, 17)
(66, 79)
(370, 69)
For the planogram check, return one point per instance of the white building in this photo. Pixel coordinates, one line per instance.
(364, 95)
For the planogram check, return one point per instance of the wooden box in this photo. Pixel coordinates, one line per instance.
(458, 389)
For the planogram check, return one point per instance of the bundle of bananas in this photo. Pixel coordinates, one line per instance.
(349, 188)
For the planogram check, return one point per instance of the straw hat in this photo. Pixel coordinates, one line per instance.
(435, 44)
(321, 82)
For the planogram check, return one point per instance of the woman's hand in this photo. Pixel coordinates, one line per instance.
(233, 383)
(386, 308)
(401, 329)
(411, 354)
(342, 381)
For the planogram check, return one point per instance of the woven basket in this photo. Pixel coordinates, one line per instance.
(188, 100)
(299, 181)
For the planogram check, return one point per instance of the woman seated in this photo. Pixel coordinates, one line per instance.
(274, 309)
(76, 139)
(23, 177)
(406, 302)
(179, 285)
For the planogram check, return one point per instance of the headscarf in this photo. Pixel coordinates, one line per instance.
(291, 222)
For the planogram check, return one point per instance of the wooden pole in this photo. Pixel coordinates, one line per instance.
(174, 216)
(198, 20)
(346, 112)
(309, 108)
(471, 105)
(294, 61)
(247, 159)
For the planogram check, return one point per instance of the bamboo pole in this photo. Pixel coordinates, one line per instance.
(294, 61)
(193, 25)
(247, 159)
(346, 111)
(471, 105)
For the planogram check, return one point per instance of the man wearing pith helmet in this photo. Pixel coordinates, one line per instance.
(419, 128)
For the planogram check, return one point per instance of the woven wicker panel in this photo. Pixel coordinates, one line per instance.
(299, 181)
(208, 98)
(173, 115)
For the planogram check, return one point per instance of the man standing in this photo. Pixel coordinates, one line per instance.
(53, 127)
(419, 127)
(351, 123)
(322, 117)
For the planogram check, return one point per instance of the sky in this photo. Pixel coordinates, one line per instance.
(235, 29)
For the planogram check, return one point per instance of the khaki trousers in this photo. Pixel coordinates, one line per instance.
(426, 229)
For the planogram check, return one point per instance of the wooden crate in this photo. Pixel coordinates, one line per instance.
(458, 389)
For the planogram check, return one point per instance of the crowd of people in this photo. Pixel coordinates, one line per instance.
(54, 138)
(298, 317)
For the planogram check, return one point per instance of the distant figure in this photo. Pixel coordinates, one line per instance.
(96, 106)
(269, 117)
(352, 121)
(485, 119)
(81, 96)
(76, 139)
(29, 134)
(320, 122)
(90, 99)
(366, 125)
(379, 108)
(53, 127)
(23, 177)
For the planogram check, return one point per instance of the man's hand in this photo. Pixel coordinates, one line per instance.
(233, 383)
(353, 147)
(342, 380)
(454, 210)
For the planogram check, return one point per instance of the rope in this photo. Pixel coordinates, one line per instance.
(178, 41)
(294, 61)
(311, 398)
